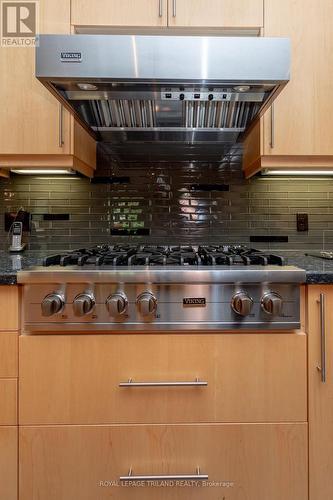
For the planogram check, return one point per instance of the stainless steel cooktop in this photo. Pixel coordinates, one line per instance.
(161, 289)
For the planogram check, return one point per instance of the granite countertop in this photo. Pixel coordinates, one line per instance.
(317, 270)
(10, 263)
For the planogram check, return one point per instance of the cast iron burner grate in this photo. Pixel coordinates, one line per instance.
(149, 255)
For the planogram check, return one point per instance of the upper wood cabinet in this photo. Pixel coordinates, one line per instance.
(119, 12)
(320, 392)
(299, 132)
(216, 13)
(172, 13)
(35, 130)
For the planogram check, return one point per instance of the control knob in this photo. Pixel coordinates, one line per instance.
(241, 303)
(117, 304)
(83, 304)
(147, 303)
(272, 303)
(52, 304)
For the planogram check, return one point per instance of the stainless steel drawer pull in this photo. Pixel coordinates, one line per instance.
(61, 135)
(160, 8)
(194, 383)
(174, 8)
(322, 367)
(272, 141)
(171, 477)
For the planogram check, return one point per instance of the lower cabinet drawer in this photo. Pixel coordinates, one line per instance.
(8, 463)
(8, 402)
(242, 461)
(76, 379)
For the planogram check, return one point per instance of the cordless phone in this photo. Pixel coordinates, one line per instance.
(17, 230)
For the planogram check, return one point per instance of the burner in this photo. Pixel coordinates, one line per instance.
(237, 255)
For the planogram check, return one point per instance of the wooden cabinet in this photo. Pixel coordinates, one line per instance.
(216, 13)
(298, 134)
(167, 13)
(320, 394)
(9, 324)
(8, 401)
(75, 379)
(4, 173)
(8, 378)
(242, 461)
(8, 355)
(119, 12)
(9, 308)
(8, 463)
(35, 130)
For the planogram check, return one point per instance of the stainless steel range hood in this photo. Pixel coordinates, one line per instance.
(164, 89)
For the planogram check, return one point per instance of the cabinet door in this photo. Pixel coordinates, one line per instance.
(320, 395)
(30, 118)
(9, 299)
(216, 13)
(8, 355)
(75, 379)
(8, 463)
(8, 401)
(261, 462)
(119, 13)
(303, 113)
(8, 378)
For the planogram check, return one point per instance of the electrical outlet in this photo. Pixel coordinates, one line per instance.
(302, 222)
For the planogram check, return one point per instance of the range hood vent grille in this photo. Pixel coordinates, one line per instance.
(136, 113)
(129, 113)
(219, 114)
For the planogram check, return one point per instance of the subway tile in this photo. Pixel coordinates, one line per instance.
(160, 197)
(311, 195)
(321, 186)
(268, 195)
(289, 187)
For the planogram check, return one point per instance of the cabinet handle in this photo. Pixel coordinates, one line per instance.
(174, 8)
(172, 477)
(61, 135)
(160, 8)
(322, 367)
(272, 141)
(194, 383)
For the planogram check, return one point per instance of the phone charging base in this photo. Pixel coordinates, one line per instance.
(18, 248)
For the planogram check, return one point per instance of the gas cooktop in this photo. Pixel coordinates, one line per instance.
(149, 255)
(161, 288)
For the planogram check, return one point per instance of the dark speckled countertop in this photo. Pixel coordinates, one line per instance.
(11, 263)
(317, 270)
